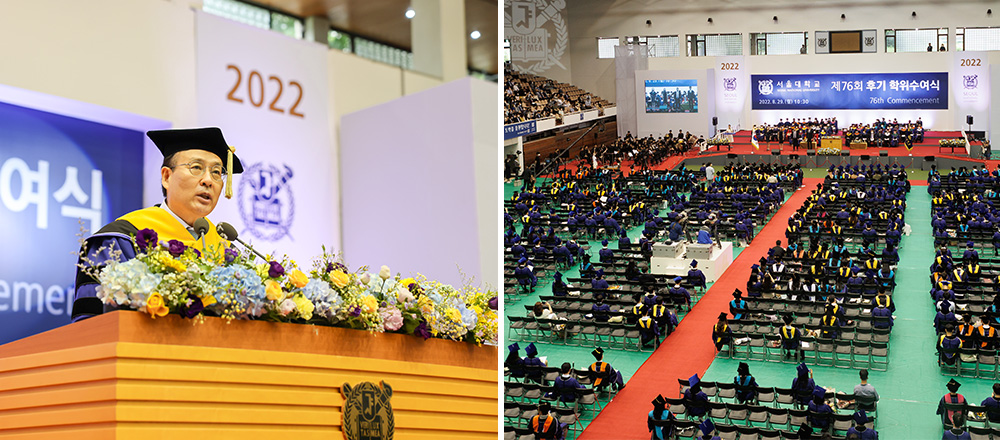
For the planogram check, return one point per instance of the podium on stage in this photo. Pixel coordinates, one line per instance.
(124, 375)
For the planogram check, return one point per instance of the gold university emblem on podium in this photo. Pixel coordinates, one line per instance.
(367, 411)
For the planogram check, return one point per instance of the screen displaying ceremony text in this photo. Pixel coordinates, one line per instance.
(863, 91)
(671, 96)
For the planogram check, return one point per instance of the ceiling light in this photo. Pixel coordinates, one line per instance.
(410, 13)
(475, 35)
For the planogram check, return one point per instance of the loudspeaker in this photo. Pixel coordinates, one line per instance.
(865, 157)
(968, 119)
(715, 120)
(883, 153)
(775, 152)
(731, 156)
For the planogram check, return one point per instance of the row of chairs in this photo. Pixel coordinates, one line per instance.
(777, 397)
(843, 353)
(586, 334)
(984, 363)
(770, 417)
(517, 415)
(532, 393)
(864, 328)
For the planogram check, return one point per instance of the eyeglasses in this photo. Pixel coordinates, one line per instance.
(197, 169)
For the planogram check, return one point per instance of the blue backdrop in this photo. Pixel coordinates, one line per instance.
(865, 91)
(57, 175)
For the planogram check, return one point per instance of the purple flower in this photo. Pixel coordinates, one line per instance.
(231, 255)
(196, 252)
(276, 270)
(493, 303)
(175, 248)
(194, 308)
(422, 331)
(355, 311)
(332, 266)
(415, 289)
(146, 238)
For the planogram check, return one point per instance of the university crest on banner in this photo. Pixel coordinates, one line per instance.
(765, 87)
(537, 32)
(367, 412)
(729, 84)
(971, 81)
(266, 202)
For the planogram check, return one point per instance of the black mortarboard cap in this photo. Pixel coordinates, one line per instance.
(209, 139)
(953, 386)
(659, 401)
(598, 353)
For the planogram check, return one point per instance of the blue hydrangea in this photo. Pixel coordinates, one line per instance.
(469, 318)
(132, 276)
(317, 290)
(240, 279)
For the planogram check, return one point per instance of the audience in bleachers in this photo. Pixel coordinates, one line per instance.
(529, 97)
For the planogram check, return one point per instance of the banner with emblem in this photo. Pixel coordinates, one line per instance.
(539, 37)
(730, 91)
(970, 75)
(269, 94)
(67, 168)
(850, 91)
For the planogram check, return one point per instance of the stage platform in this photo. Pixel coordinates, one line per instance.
(712, 267)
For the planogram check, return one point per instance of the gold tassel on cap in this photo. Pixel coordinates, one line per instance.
(229, 172)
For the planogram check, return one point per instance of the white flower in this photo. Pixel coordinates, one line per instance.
(404, 296)
(383, 273)
(287, 306)
(366, 278)
(121, 297)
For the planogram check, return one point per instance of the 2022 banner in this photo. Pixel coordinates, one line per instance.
(862, 91)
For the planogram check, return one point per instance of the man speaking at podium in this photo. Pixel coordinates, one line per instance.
(197, 165)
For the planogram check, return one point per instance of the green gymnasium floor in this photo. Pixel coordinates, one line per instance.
(911, 388)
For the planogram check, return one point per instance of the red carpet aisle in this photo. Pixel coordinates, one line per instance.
(689, 349)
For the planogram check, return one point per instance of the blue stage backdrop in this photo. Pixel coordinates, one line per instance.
(861, 91)
(58, 175)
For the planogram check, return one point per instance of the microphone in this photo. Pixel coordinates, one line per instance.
(228, 232)
(201, 228)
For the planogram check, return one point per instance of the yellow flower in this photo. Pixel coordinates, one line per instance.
(369, 304)
(273, 290)
(339, 278)
(304, 307)
(407, 281)
(298, 278)
(207, 300)
(453, 314)
(171, 263)
(155, 306)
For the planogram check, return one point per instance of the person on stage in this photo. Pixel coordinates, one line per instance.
(197, 165)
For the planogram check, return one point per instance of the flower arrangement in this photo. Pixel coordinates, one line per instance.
(953, 143)
(830, 151)
(720, 140)
(169, 277)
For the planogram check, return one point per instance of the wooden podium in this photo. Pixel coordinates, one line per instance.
(124, 375)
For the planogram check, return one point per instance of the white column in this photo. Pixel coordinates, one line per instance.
(439, 38)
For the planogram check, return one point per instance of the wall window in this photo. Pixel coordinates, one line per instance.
(664, 46)
(606, 47)
(506, 50)
(255, 16)
(339, 40)
(916, 40)
(382, 53)
(287, 25)
(983, 38)
(779, 43)
(713, 45)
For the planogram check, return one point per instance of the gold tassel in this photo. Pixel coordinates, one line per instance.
(229, 172)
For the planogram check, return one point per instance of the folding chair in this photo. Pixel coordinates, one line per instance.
(842, 351)
(765, 395)
(880, 356)
(709, 388)
(738, 412)
(847, 397)
(772, 347)
(757, 347)
(569, 417)
(979, 433)
(511, 411)
(749, 432)
(517, 327)
(726, 391)
(986, 365)
(676, 406)
(757, 414)
(513, 389)
(967, 369)
(509, 433)
(785, 396)
(825, 352)
(861, 354)
(727, 432)
(777, 418)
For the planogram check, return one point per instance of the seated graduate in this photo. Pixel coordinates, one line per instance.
(649, 332)
(531, 360)
(859, 429)
(680, 296)
(601, 311)
(660, 420)
(819, 413)
(566, 385)
(513, 364)
(695, 400)
(738, 306)
(948, 345)
(721, 333)
(559, 287)
(695, 276)
(602, 374)
(803, 385)
(546, 426)
(952, 397)
(746, 385)
(790, 335)
(197, 165)
(707, 429)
